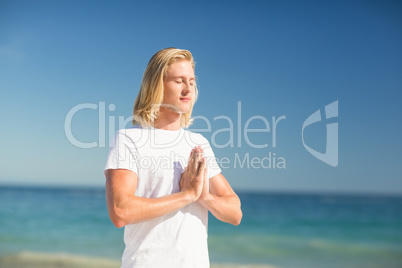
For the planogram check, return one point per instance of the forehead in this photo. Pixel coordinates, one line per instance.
(180, 68)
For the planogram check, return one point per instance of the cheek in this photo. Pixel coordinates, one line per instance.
(170, 92)
(171, 88)
(167, 91)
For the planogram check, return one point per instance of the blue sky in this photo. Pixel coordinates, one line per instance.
(275, 58)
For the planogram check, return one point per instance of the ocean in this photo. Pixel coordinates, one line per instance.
(278, 229)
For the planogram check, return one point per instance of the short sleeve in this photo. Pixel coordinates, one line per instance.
(122, 153)
(212, 164)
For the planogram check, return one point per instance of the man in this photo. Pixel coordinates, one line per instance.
(162, 180)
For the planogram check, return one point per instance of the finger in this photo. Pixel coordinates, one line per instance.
(200, 156)
(202, 151)
(196, 160)
(191, 156)
(201, 167)
(195, 154)
(190, 159)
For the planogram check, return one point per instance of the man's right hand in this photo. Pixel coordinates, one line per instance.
(192, 178)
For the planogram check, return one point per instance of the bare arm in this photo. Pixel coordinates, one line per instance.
(126, 208)
(220, 199)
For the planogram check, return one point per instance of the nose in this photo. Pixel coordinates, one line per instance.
(187, 88)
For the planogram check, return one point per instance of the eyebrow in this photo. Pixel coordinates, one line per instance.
(174, 77)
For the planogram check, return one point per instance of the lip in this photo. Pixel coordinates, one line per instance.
(185, 99)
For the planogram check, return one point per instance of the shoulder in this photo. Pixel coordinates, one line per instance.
(133, 135)
(129, 132)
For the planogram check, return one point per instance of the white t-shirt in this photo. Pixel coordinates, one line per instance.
(159, 157)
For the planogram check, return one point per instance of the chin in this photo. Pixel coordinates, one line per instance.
(185, 109)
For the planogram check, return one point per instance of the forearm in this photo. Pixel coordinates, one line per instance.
(225, 208)
(126, 208)
(136, 209)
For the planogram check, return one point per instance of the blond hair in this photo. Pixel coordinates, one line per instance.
(150, 96)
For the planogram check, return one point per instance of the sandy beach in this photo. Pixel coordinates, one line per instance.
(28, 259)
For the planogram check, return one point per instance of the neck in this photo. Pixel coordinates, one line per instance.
(167, 120)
